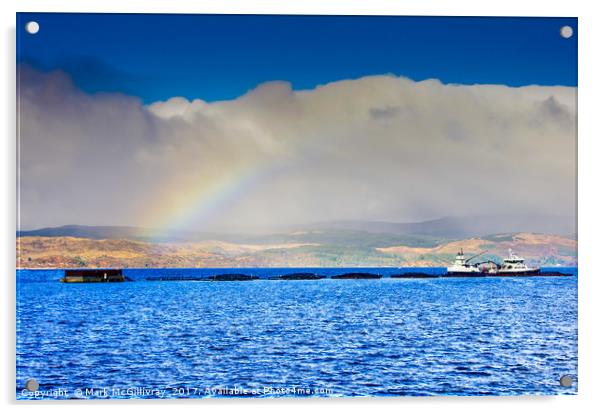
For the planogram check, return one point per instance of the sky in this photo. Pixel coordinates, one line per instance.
(213, 58)
(228, 122)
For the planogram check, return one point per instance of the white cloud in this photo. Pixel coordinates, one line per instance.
(378, 148)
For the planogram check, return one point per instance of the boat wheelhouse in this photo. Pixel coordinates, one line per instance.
(515, 265)
(462, 268)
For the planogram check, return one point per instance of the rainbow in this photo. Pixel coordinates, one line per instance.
(207, 198)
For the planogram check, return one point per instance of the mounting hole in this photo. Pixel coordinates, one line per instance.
(566, 381)
(566, 32)
(32, 27)
(32, 385)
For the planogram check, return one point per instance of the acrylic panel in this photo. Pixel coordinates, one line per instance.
(295, 206)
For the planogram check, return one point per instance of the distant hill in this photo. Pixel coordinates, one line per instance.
(66, 252)
(109, 232)
(463, 227)
(84, 231)
(346, 232)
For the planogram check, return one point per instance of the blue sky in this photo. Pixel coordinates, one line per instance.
(216, 57)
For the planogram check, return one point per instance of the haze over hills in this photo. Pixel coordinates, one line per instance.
(447, 228)
(341, 243)
(462, 227)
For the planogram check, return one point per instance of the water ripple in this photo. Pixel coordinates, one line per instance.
(387, 337)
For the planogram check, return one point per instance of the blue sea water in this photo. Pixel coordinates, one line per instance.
(266, 338)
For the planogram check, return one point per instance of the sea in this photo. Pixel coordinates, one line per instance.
(276, 338)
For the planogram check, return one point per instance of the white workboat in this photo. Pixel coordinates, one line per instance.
(514, 265)
(462, 268)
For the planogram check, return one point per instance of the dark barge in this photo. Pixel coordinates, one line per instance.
(93, 276)
(301, 276)
(217, 277)
(233, 277)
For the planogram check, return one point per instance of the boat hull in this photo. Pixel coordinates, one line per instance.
(528, 273)
(464, 274)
